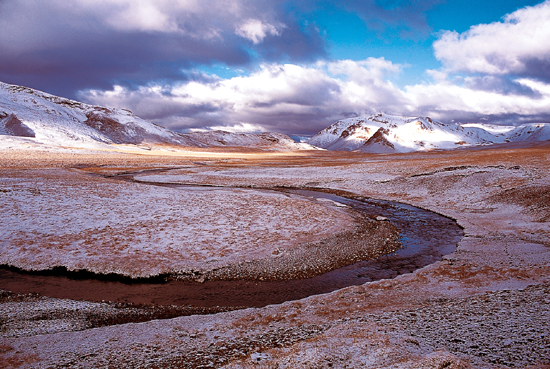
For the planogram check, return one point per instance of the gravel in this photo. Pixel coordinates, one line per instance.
(509, 327)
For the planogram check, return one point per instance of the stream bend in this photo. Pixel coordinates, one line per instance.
(426, 237)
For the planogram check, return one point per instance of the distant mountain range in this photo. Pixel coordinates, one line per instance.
(382, 133)
(41, 118)
(36, 117)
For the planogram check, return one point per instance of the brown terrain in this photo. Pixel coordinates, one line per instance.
(485, 305)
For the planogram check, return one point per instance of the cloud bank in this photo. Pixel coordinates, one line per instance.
(278, 97)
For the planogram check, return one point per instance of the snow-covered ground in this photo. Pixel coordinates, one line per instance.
(484, 306)
(64, 218)
(382, 133)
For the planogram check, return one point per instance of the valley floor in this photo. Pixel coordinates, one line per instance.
(487, 305)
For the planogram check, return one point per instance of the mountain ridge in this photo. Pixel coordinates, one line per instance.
(36, 117)
(45, 119)
(384, 133)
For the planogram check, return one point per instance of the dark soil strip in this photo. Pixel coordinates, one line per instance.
(107, 314)
(447, 169)
(426, 237)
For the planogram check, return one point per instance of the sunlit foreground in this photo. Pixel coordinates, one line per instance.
(485, 305)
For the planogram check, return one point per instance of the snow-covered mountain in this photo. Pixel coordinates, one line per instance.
(382, 133)
(57, 121)
(39, 118)
(256, 140)
(36, 117)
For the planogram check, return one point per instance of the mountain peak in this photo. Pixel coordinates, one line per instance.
(384, 133)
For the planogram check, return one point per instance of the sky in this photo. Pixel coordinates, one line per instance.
(293, 67)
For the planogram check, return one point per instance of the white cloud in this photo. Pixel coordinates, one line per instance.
(255, 31)
(517, 45)
(437, 75)
(364, 83)
(240, 128)
(303, 99)
(275, 97)
(364, 70)
(443, 99)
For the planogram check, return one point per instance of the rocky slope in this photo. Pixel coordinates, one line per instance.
(382, 133)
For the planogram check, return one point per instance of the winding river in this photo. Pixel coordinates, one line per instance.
(425, 236)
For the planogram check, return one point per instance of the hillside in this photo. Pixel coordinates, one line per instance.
(52, 120)
(382, 133)
(31, 117)
(258, 140)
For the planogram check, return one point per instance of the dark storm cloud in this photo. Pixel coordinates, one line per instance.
(104, 58)
(65, 47)
(294, 43)
(515, 119)
(500, 84)
(303, 124)
(537, 67)
(511, 119)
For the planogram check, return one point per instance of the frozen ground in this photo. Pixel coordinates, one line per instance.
(484, 306)
(61, 217)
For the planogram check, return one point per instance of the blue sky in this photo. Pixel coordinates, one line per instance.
(286, 66)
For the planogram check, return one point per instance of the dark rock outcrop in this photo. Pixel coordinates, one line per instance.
(14, 127)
